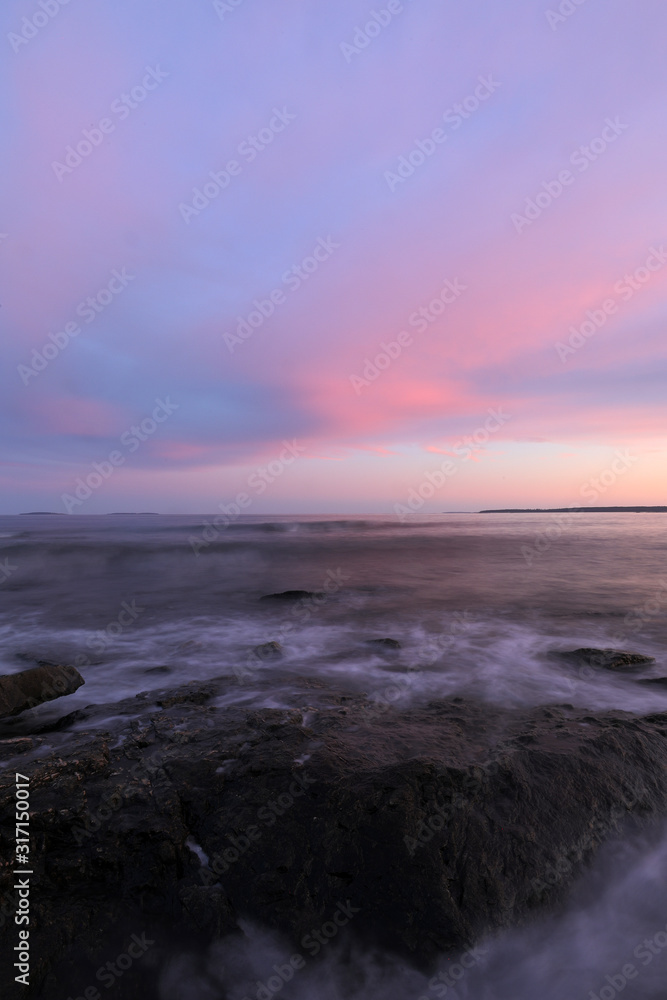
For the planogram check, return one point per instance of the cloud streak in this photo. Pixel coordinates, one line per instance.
(209, 151)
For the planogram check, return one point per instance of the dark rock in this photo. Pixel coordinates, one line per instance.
(269, 651)
(294, 595)
(29, 688)
(190, 646)
(10, 748)
(606, 659)
(438, 823)
(385, 644)
(193, 693)
(64, 722)
(158, 670)
(656, 681)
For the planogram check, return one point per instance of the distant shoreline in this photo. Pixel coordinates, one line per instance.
(577, 510)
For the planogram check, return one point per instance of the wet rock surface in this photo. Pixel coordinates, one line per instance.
(294, 595)
(24, 690)
(606, 659)
(387, 645)
(269, 651)
(179, 816)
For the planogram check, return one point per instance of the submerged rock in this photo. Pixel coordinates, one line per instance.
(14, 747)
(194, 693)
(294, 595)
(434, 824)
(606, 659)
(190, 646)
(384, 644)
(269, 651)
(29, 688)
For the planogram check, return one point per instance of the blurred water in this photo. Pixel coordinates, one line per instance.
(609, 939)
(476, 601)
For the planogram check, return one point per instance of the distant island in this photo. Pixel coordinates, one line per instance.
(577, 510)
(40, 513)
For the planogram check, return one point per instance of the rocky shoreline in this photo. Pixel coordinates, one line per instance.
(172, 816)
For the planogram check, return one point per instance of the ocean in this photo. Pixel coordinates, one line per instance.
(478, 603)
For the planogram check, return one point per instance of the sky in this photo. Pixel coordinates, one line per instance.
(285, 256)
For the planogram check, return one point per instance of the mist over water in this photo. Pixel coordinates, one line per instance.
(122, 595)
(609, 938)
(476, 617)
